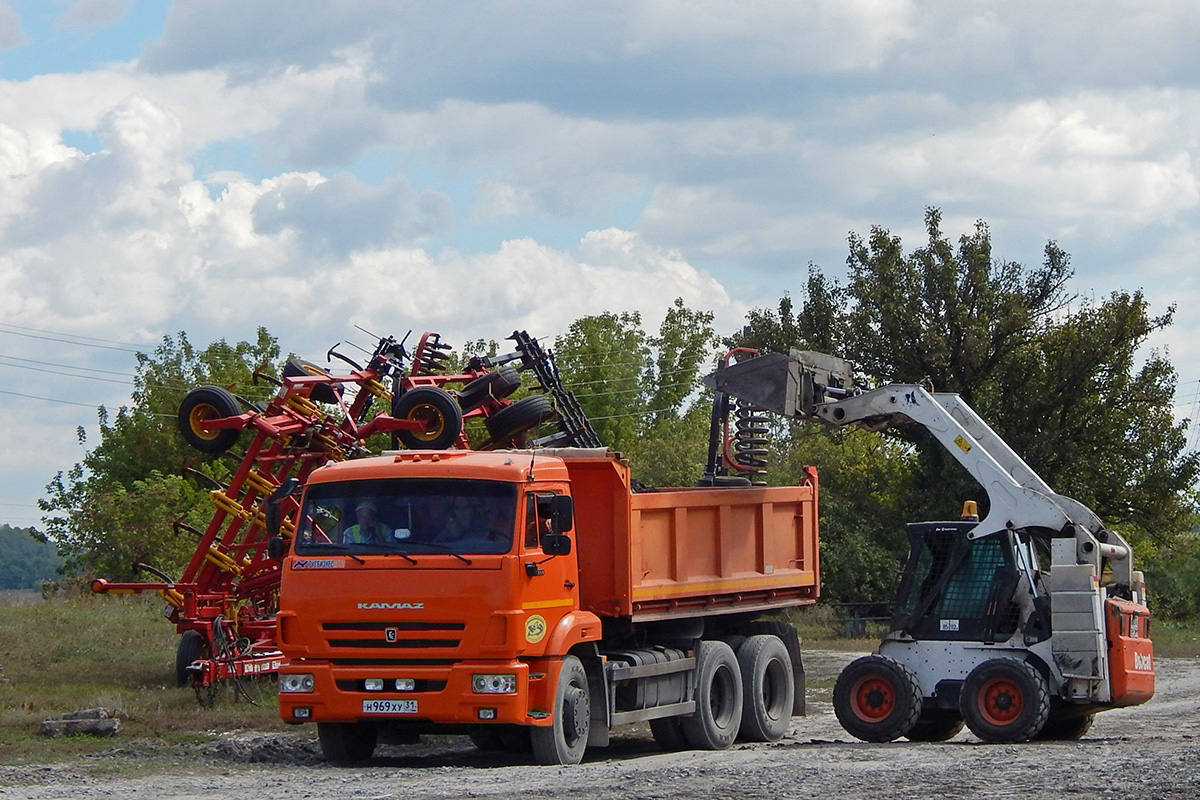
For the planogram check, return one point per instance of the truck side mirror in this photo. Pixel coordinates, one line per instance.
(556, 544)
(562, 512)
(277, 547)
(274, 501)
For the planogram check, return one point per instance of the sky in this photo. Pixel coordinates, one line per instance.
(321, 167)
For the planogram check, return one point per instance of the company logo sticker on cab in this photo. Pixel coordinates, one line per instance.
(535, 629)
(319, 563)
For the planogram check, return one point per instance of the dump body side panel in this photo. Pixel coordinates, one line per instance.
(679, 552)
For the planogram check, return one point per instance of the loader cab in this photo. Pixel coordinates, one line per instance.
(960, 589)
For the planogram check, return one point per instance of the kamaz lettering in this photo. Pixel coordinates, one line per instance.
(391, 606)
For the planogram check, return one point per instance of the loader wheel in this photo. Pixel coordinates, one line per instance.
(191, 647)
(768, 688)
(346, 742)
(564, 741)
(500, 383)
(1066, 729)
(877, 699)
(718, 715)
(935, 729)
(1004, 700)
(206, 403)
(436, 408)
(522, 415)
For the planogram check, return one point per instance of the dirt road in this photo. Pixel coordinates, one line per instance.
(1148, 752)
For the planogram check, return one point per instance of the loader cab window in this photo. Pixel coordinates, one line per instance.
(956, 588)
(412, 517)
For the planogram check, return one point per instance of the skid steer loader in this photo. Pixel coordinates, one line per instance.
(1021, 625)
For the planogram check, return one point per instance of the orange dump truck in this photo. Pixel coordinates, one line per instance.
(534, 600)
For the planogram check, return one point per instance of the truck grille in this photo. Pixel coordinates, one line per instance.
(392, 635)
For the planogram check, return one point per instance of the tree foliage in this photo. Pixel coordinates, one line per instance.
(117, 506)
(1056, 376)
(641, 391)
(24, 560)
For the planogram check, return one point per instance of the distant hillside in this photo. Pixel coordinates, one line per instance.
(24, 561)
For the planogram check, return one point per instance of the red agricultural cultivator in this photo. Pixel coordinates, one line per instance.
(224, 603)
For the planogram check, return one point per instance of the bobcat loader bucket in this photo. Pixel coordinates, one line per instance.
(791, 385)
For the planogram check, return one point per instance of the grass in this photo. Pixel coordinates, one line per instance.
(58, 656)
(62, 655)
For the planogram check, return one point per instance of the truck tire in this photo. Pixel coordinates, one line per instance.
(768, 688)
(191, 647)
(718, 715)
(346, 742)
(877, 699)
(668, 734)
(206, 403)
(565, 739)
(1059, 728)
(522, 415)
(437, 409)
(500, 383)
(1004, 701)
(935, 729)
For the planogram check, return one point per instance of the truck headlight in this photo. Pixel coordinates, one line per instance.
(494, 684)
(295, 683)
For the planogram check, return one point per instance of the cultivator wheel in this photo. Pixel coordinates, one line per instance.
(204, 404)
(437, 410)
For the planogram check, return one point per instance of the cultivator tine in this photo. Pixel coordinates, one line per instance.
(261, 374)
(189, 471)
(179, 525)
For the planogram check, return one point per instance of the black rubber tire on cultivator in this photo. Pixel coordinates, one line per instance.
(206, 403)
(191, 647)
(322, 392)
(512, 421)
(499, 384)
(440, 412)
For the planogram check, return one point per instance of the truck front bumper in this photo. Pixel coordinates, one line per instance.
(426, 694)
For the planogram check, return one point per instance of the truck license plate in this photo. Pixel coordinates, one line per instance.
(389, 706)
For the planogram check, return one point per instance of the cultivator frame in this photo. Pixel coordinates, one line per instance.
(224, 604)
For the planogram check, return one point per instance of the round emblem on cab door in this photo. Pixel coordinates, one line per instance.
(535, 629)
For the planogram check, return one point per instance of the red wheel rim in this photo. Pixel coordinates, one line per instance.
(873, 698)
(1001, 701)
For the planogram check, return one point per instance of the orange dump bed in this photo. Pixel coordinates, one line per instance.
(676, 552)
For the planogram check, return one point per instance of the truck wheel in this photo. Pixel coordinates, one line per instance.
(564, 741)
(522, 415)
(500, 383)
(769, 689)
(877, 699)
(437, 409)
(668, 734)
(346, 742)
(200, 405)
(1004, 700)
(718, 715)
(935, 729)
(191, 647)
(1070, 728)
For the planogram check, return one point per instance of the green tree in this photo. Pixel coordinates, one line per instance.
(117, 506)
(640, 391)
(1058, 378)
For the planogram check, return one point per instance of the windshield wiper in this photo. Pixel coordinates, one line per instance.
(402, 554)
(449, 550)
(335, 547)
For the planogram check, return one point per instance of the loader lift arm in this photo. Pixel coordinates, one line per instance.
(813, 386)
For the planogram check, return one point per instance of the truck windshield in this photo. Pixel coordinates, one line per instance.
(408, 516)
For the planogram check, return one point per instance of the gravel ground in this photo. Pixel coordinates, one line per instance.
(1152, 751)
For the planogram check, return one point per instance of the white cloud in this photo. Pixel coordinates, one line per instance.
(11, 33)
(93, 13)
